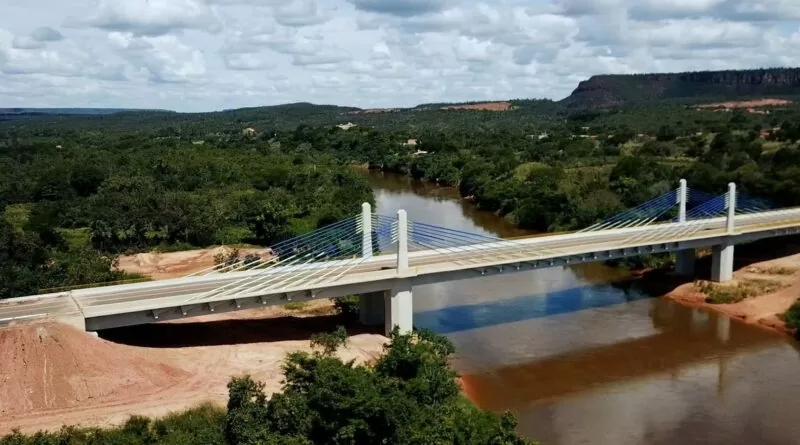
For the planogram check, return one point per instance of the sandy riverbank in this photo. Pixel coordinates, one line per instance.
(165, 265)
(763, 309)
(52, 375)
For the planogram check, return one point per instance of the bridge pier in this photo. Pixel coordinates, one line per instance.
(399, 308)
(684, 262)
(371, 308)
(722, 262)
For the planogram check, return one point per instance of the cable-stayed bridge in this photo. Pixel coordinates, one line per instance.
(382, 257)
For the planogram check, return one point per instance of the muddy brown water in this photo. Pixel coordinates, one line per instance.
(581, 357)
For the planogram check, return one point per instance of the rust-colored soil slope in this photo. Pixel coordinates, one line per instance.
(53, 366)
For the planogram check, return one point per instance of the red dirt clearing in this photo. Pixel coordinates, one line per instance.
(487, 106)
(758, 103)
(52, 366)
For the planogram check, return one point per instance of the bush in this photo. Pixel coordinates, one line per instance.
(410, 396)
(330, 342)
(792, 317)
(347, 306)
(728, 294)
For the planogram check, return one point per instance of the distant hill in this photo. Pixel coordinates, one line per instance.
(67, 111)
(614, 90)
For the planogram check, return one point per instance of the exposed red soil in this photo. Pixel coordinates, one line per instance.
(53, 366)
(374, 110)
(758, 103)
(487, 106)
(53, 375)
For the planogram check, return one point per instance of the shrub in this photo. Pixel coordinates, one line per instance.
(347, 306)
(792, 317)
(330, 342)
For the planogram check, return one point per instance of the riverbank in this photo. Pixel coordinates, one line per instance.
(53, 375)
(773, 285)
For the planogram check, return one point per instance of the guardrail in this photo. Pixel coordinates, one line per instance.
(53, 290)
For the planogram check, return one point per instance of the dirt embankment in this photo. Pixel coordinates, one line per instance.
(52, 375)
(487, 106)
(774, 285)
(160, 266)
(758, 103)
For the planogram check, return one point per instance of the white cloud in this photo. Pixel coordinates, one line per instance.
(152, 17)
(162, 58)
(46, 34)
(300, 13)
(212, 54)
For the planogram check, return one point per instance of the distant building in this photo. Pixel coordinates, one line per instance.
(249, 131)
(198, 142)
(410, 142)
(347, 126)
(420, 152)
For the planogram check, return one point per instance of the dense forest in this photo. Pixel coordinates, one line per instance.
(77, 191)
(71, 205)
(409, 396)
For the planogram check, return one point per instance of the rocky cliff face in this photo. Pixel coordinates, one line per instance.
(613, 90)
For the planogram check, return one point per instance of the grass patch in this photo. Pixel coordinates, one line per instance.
(780, 271)
(295, 306)
(17, 214)
(77, 238)
(734, 293)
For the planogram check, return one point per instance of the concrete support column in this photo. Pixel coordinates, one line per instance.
(400, 309)
(366, 227)
(371, 308)
(722, 262)
(685, 259)
(684, 262)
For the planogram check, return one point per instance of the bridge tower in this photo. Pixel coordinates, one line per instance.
(392, 307)
(685, 259)
(722, 254)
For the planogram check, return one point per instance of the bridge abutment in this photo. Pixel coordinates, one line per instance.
(722, 262)
(685, 262)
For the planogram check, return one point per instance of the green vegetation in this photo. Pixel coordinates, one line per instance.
(734, 293)
(202, 425)
(70, 211)
(792, 318)
(347, 306)
(409, 396)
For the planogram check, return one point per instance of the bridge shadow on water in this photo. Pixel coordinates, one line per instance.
(232, 331)
(527, 307)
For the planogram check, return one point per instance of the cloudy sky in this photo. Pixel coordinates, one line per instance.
(197, 55)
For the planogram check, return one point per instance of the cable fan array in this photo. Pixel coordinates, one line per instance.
(323, 256)
(318, 257)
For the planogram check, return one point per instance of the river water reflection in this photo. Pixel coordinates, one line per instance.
(583, 359)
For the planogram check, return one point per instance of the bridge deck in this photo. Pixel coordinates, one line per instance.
(188, 293)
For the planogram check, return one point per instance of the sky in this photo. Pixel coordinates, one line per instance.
(205, 55)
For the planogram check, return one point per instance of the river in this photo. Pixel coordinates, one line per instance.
(580, 358)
